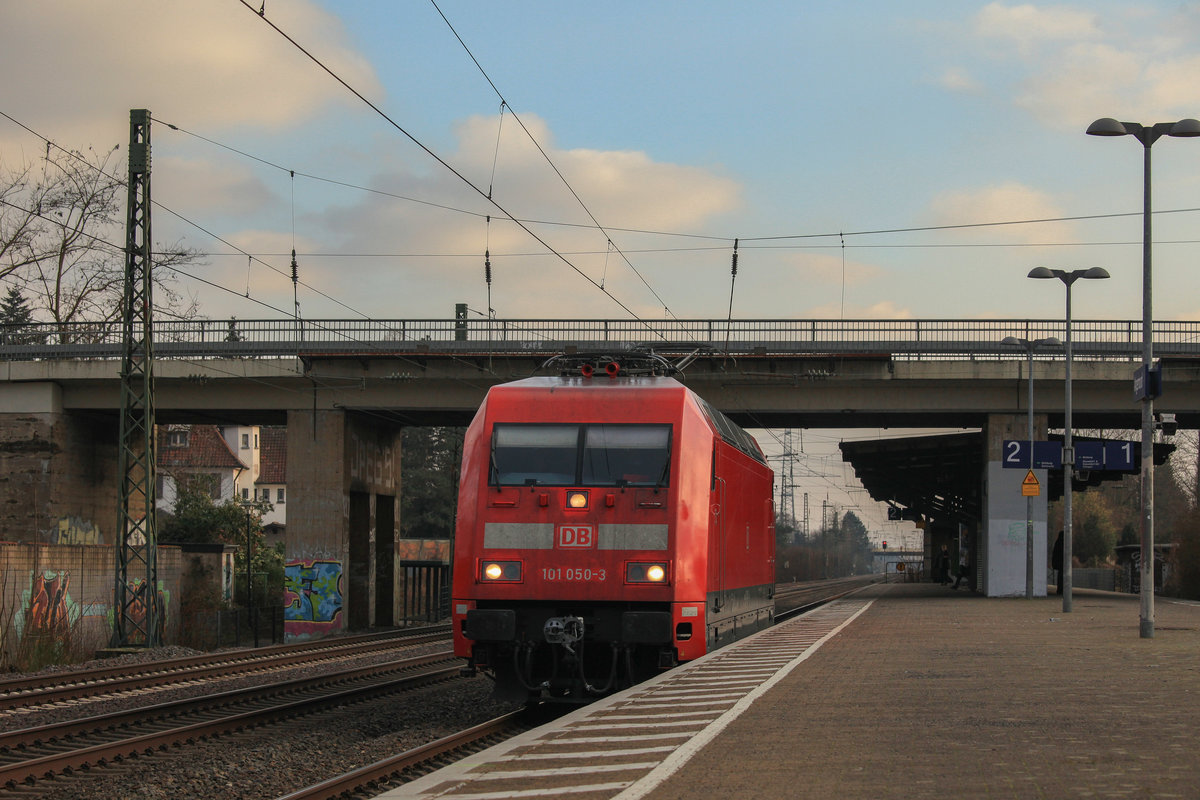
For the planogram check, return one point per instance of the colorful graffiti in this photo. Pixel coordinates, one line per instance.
(312, 597)
(73, 530)
(136, 588)
(50, 608)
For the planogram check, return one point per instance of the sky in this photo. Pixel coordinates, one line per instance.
(871, 159)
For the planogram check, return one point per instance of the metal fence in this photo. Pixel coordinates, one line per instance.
(424, 592)
(906, 339)
(235, 627)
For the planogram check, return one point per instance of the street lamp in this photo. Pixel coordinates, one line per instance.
(1147, 135)
(1030, 346)
(1068, 456)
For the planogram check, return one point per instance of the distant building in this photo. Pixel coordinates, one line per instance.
(246, 462)
(197, 455)
(271, 480)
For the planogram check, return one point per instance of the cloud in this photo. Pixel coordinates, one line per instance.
(1026, 24)
(958, 79)
(88, 63)
(831, 269)
(1008, 202)
(884, 309)
(1073, 65)
(420, 258)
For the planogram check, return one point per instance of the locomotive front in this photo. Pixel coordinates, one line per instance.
(566, 580)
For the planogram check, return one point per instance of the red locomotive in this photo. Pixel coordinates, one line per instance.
(608, 528)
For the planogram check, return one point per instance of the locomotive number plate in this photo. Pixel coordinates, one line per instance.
(574, 574)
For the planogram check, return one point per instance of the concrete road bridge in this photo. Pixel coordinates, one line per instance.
(345, 388)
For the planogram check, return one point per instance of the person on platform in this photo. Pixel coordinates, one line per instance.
(1056, 561)
(943, 565)
(964, 565)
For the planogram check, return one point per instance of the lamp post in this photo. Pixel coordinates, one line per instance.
(1030, 346)
(1147, 135)
(1068, 457)
(251, 612)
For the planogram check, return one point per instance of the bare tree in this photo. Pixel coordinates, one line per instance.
(61, 239)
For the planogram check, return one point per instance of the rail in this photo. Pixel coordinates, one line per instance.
(900, 339)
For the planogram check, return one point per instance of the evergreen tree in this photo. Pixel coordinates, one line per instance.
(15, 318)
(431, 459)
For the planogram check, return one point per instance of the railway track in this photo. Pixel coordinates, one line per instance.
(31, 755)
(29, 692)
(794, 599)
(374, 778)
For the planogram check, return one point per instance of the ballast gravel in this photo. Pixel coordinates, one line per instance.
(271, 761)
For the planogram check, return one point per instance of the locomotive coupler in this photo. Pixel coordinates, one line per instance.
(563, 630)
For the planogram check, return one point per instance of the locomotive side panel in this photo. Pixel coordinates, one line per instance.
(584, 539)
(742, 547)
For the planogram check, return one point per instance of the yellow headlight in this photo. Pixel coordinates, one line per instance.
(577, 500)
(645, 572)
(506, 571)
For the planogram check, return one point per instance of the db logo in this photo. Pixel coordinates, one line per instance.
(576, 536)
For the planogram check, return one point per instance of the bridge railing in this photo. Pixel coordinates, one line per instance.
(909, 339)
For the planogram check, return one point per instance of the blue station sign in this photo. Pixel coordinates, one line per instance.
(1114, 456)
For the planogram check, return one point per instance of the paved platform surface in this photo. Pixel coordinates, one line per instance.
(936, 693)
(908, 691)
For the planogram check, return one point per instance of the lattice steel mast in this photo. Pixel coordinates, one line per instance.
(138, 618)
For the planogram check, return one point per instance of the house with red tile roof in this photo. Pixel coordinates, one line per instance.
(247, 462)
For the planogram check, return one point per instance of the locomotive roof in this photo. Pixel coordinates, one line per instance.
(725, 427)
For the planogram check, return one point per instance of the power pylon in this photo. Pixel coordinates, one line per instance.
(138, 618)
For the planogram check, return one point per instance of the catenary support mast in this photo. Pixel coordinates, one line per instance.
(138, 617)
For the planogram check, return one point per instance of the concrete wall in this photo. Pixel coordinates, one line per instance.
(56, 600)
(343, 523)
(58, 471)
(1003, 548)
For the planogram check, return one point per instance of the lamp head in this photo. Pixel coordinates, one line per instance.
(1096, 273)
(1107, 126)
(1041, 272)
(1185, 127)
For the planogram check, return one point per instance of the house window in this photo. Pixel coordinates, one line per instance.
(266, 495)
(245, 494)
(245, 441)
(177, 438)
(256, 441)
(279, 496)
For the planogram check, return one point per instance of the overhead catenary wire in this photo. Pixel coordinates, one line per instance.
(751, 242)
(466, 181)
(504, 103)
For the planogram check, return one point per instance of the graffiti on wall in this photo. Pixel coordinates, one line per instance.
(312, 597)
(73, 530)
(47, 609)
(137, 604)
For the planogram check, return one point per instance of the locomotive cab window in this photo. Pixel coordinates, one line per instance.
(580, 455)
(535, 455)
(626, 455)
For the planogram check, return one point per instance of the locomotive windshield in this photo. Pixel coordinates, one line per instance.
(580, 455)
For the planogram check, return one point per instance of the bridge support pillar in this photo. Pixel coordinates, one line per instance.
(343, 523)
(1003, 532)
(58, 470)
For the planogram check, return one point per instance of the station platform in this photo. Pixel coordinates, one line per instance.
(899, 691)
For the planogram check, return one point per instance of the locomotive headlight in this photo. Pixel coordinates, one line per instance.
(504, 571)
(577, 499)
(645, 573)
